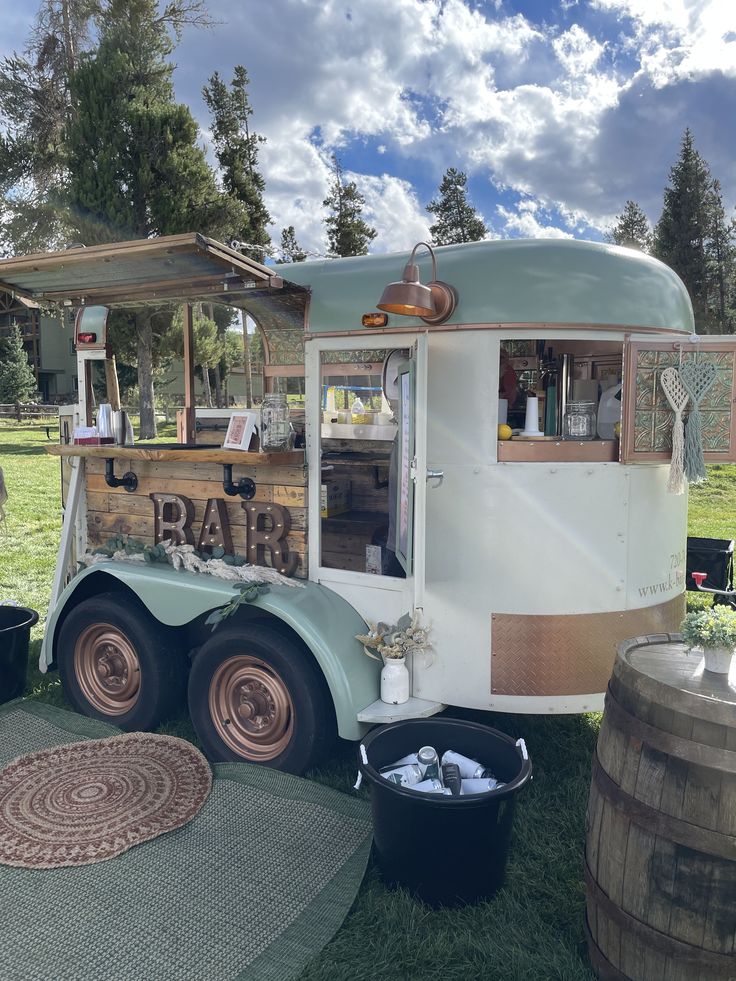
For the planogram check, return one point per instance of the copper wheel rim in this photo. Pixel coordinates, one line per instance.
(251, 709)
(107, 669)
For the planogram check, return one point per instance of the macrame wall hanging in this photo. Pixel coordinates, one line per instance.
(697, 379)
(677, 396)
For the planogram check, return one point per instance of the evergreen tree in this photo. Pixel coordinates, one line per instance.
(209, 345)
(35, 104)
(681, 235)
(135, 166)
(17, 381)
(291, 251)
(236, 149)
(457, 220)
(632, 229)
(347, 232)
(721, 258)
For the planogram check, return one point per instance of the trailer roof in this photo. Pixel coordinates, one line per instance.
(174, 267)
(523, 281)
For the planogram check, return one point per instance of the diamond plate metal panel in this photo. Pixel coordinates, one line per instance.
(568, 654)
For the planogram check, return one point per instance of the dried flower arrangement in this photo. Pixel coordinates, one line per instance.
(385, 642)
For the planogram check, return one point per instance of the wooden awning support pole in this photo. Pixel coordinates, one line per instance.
(189, 434)
(111, 382)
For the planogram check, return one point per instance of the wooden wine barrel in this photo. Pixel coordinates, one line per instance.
(661, 826)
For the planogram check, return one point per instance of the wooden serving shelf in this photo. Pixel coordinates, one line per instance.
(190, 454)
(558, 451)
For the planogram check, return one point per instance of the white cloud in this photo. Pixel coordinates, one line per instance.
(523, 224)
(577, 51)
(677, 39)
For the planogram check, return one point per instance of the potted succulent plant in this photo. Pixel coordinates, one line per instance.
(392, 645)
(714, 632)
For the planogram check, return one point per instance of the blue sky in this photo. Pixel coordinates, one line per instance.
(557, 112)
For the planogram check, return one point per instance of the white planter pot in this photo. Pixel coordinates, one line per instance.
(395, 681)
(718, 659)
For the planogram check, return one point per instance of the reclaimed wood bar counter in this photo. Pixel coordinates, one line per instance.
(180, 496)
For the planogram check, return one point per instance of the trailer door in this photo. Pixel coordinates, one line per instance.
(367, 471)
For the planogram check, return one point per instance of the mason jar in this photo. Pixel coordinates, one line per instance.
(275, 427)
(579, 420)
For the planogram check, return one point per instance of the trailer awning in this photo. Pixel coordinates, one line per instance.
(185, 267)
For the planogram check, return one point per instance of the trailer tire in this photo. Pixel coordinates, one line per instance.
(256, 696)
(120, 665)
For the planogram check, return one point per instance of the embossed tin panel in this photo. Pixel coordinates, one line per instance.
(649, 418)
(568, 654)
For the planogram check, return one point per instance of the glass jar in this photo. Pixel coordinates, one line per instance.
(579, 420)
(275, 426)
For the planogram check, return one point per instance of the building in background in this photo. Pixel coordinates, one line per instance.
(48, 342)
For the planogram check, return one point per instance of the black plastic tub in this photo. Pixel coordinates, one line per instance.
(446, 850)
(15, 632)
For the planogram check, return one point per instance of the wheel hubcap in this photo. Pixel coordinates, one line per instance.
(107, 669)
(251, 708)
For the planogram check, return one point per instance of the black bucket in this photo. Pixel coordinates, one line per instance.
(15, 633)
(445, 850)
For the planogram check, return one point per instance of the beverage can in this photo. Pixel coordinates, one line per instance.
(404, 775)
(478, 786)
(432, 786)
(451, 778)
(469, 769)
(429, 761)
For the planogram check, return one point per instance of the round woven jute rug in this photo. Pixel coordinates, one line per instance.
(89, 801)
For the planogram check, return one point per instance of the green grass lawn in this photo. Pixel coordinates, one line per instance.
(533, 929)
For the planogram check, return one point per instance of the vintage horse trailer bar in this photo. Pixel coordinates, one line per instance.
(529, 559)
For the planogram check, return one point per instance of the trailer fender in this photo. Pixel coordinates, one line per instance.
(323, 620)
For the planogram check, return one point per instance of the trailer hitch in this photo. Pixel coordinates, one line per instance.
(245, 486)
(128, 481)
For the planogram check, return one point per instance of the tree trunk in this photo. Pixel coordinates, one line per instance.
(207, 387)
(147, 428)
(69, 50)
(218, 386)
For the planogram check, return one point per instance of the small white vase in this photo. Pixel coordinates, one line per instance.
(718, 659)
(395, 681)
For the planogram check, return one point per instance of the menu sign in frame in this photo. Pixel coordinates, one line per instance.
(405, 496)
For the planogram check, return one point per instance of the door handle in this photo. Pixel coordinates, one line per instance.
(437, 475)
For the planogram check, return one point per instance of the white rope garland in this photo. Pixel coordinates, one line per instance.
(697, 379)
(677, 397)
(182, 557)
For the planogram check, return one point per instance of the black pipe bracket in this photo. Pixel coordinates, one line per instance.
(246, 487)
(128, 481)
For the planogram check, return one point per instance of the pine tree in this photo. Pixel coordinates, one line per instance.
(683, 228)
(721, 258)
(632, 229)
(291, 251)
(17, 381)
(136, 168)
(209, 345)
(457, 220)
(236, 149)
(35, 104)
(347, 232)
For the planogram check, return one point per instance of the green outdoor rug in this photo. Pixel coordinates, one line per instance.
(250, 890)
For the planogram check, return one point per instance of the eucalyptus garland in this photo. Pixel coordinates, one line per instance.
(248, 580)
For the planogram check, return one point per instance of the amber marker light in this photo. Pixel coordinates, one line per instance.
(433, 303)
(374, 319)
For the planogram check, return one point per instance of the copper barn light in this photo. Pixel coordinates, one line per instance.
(409, 298)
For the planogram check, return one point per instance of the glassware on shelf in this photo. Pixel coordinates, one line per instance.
(579, 420)
(276, 431)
